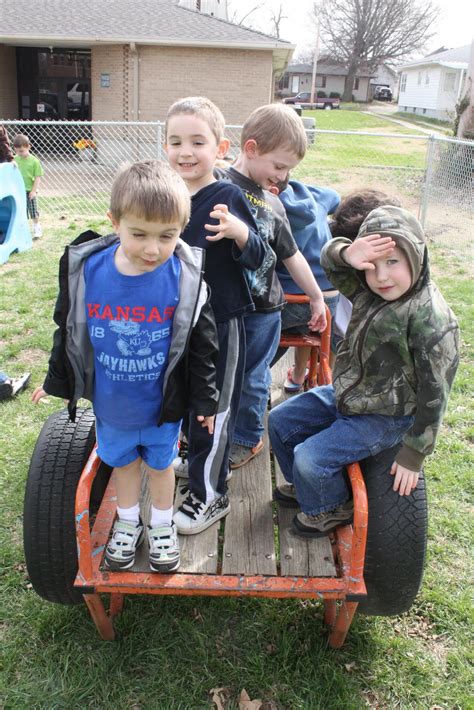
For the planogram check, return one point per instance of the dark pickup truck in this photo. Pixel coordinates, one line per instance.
(304, 99)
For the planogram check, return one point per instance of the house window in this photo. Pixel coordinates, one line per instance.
(284, 81)
(424, 110)
(419, 77)
(427, 78)
(321, 81)
(449, 81)
(356, 84)
(403, 82)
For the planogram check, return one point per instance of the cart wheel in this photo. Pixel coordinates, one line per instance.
(49, 533)
(396, 539)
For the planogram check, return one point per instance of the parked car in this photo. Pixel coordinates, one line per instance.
(304, 99)
(383, 93)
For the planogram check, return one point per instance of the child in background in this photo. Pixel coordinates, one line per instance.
(395, 389)
(273, 141)
(346, 222)
(307, 208)
(31, 172)
(222, 223)
(136, 336)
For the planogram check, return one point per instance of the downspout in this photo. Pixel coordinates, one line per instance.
(136, 78)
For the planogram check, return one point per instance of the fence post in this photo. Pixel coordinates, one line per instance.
(428, 178)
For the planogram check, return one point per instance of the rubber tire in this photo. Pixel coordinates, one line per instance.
(49, 533)
(328, 107)
(396, 539)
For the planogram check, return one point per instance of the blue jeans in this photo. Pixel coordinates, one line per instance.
(312, 442)
(262, 334)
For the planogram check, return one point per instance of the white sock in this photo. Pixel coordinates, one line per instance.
(160, 517)
(130, 515)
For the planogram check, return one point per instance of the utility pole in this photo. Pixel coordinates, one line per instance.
(315, 64)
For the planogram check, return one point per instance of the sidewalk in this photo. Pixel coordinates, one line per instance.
(385, 111)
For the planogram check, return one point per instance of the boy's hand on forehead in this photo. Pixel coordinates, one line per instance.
(229, 227)
(364, 251)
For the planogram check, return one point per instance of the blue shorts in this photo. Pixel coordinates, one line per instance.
(156, 445)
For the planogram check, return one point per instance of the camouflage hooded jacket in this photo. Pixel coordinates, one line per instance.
(398, 357)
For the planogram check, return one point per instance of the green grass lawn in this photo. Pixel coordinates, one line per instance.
(172, 651)
(344, 120)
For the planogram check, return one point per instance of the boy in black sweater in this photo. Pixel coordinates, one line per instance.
(222, 224)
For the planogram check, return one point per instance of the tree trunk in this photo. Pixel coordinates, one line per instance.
(349, 82)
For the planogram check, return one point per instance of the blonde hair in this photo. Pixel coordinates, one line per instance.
(275, 126)
(151, 190)
(203, 108)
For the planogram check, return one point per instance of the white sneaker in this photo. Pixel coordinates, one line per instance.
(180, 463)
(121, 548)
(180, 466)
(193, 516)
(37, 231)
(163, 546)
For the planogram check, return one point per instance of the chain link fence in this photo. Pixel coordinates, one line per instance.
(431, 175)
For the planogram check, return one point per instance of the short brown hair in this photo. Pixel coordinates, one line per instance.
(275, 126)
(202, 107)
(151, 190)
(21, 141)
(354, 208)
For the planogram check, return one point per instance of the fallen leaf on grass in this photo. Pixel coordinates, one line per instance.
(246, 704)
(350, 666)
(220, 696)
(196, 615)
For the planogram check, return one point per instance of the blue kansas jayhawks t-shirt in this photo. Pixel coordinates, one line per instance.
(129, 320)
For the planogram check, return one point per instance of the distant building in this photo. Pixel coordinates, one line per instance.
(128, 60)
(330, 78)
(384, 76)
(432, 86)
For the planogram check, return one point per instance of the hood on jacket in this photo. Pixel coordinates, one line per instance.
(299, 203)
(404, 229)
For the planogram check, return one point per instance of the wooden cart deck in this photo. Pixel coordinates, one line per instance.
(252, 551)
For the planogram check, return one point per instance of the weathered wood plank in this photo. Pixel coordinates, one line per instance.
(249, 542)
(298, 556)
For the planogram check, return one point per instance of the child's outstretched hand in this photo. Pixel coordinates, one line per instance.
(207, 422)
(318, 315)
(405, 480)
(38, 394)
(229, 227)
(363, 251)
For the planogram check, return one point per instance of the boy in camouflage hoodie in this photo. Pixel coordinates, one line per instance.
(392, 377)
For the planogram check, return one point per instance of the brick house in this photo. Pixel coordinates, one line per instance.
(128, 60)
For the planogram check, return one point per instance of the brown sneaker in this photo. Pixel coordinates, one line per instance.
(285, 495)
(323, 523)
(240, 455)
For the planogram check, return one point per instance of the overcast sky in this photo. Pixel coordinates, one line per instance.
(455, 26)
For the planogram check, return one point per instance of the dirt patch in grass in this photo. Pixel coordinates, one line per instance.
(31, 356)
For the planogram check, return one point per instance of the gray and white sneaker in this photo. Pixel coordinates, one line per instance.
(121, 548)
(163, 546)
(323, 523)
(193, 516)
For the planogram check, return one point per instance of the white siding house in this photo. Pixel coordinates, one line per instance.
(432, 85)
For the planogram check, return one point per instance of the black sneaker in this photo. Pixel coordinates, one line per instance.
(193, 516)
(285, 495)
(323, 523)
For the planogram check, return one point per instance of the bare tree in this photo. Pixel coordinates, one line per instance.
(276, 19)
(365, 33)
(237, 18)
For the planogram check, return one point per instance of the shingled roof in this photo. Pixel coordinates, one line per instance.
(88, 22)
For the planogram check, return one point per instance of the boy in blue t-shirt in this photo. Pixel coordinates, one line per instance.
(307, 208)
(137, 337)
